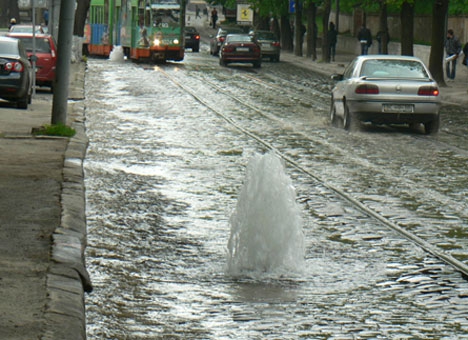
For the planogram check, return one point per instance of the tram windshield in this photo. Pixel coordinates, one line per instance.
(165, 14)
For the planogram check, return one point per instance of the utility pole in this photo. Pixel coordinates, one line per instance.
(62, 72)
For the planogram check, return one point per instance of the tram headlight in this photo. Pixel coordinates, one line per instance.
(176, 42)
(156, 42)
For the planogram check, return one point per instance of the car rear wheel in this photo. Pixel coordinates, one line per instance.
(222, 62)
(333, 117)
(349, 120)
(257, 64)
(432, 127)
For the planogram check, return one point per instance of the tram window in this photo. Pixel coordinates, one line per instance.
(161, 17)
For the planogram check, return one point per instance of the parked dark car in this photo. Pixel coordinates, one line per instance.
(240, 48)
(15, 72)
(217, 40)
(192, 38)
(46, 54)
(386, 89)
(269, 43)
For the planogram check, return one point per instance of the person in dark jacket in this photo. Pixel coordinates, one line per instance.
(453, 48)
(332, 40)
(365, 39)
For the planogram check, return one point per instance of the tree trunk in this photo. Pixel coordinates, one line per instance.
(407, 28)
(80, 17)
(337, 15)
(325, 19)
(383, 28)
(286, 34)
(298, 31)
(311, 50)
(436, 58)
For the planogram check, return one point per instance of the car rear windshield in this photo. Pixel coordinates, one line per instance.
(266, 36)
(42, 44)
(238, 37)
(9, 48)
(230, 30)
(382, 68)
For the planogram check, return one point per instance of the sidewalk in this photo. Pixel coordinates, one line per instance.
(42, 221)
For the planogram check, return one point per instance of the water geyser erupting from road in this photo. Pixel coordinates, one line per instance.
(266, 226)
(117, 54)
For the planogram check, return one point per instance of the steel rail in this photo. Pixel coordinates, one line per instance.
(426, 246)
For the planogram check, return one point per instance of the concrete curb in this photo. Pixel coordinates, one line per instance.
(67, 277)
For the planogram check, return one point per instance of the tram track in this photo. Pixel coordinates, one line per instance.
(420, 242)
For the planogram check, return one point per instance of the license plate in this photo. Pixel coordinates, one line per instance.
(187, 37)
(265, 45)
(398, 108)
(242, 49)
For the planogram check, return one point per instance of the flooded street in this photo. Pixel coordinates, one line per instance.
(197, 230)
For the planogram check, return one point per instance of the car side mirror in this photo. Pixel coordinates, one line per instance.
(337, 77)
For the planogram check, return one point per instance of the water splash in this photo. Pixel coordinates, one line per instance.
(266, 226)
(117, 54)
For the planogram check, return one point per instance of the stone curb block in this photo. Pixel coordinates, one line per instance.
(67, 277)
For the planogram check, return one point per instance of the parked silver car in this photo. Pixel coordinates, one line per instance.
(386, 89)
(269, 43)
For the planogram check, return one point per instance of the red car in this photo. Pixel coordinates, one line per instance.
(240, 48)
(46, 53)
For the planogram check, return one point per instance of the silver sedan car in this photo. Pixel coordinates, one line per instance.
(385, 89)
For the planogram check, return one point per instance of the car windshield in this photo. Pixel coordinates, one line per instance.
(190, 29)
(42, 44)
(385, 68)
(8, 48)
(239, 37)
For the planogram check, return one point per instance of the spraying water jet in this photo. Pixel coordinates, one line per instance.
(266, 226)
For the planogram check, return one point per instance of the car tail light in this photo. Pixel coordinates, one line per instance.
(228, 48)
(276, 44)
(197, 37)
(52, 53)
(221, 39)
(367, 89)
(428, 91)
(18, 67)
(14, 67)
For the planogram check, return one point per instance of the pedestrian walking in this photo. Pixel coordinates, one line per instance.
(332, 40)
(214, 17)
(453, 48)
(45, 16)
(365, 39)
(12, 23)
(197, 12)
